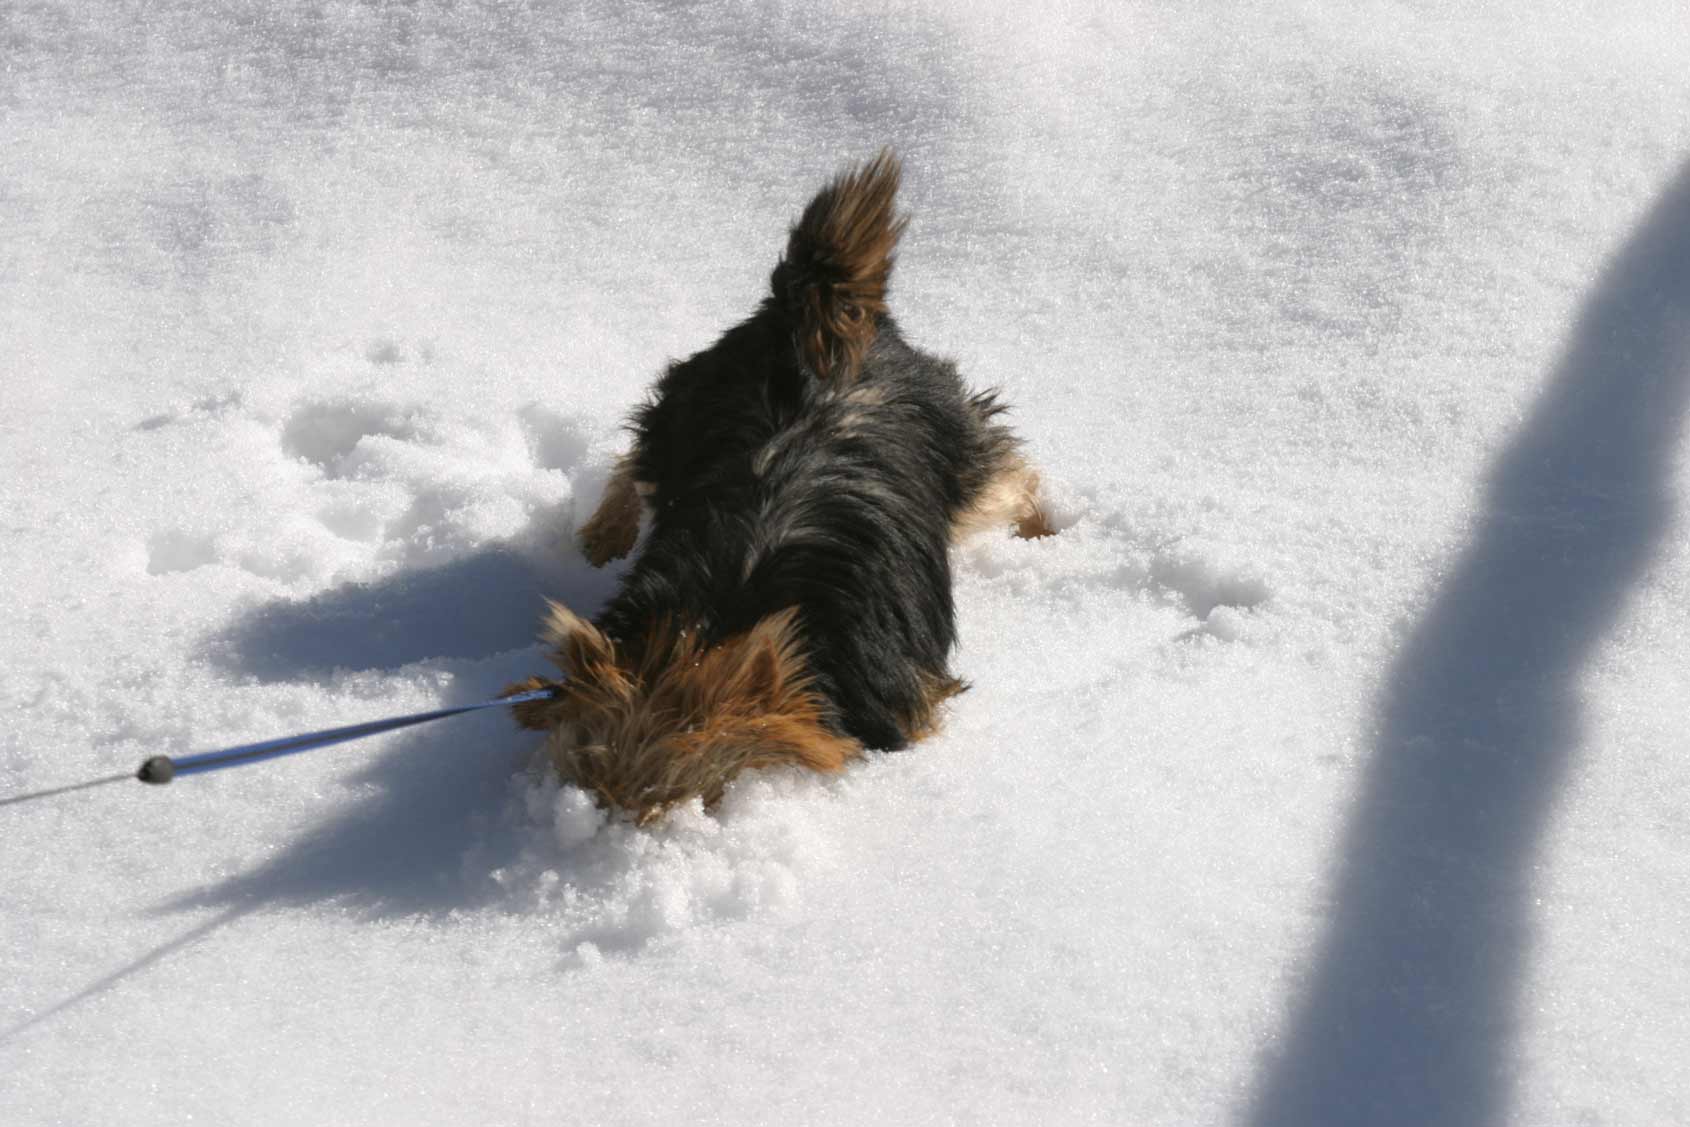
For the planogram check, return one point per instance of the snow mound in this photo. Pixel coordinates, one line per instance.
(608, 886)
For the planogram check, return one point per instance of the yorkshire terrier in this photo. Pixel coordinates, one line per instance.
(805, 477)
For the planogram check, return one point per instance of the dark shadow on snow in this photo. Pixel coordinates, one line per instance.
(424, 836)
(1409, 1013)
(421, 840)
(486, 603)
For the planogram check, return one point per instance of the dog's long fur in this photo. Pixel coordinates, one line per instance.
(805, 477)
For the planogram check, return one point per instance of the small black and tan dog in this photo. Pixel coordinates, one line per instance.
(805, 477)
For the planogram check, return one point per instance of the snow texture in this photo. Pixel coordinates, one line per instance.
(1327, 768)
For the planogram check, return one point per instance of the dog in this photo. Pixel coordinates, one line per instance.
(804, 478)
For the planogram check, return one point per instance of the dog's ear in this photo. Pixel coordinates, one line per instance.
(832, 281)
(774, 666)
(754, 672)
(765, 672)
(578, 644)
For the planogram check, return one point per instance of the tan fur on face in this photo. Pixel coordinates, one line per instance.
(646, 730)
(609, 534)
(1011, 497)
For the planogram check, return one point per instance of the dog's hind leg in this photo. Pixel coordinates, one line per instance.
(936, 689)
(613, 528)
(1010, 498)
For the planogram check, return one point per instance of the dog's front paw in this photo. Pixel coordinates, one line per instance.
(540, 715)
(603, 541)
(609, 533)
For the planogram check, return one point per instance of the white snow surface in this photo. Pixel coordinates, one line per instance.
(1328, 767)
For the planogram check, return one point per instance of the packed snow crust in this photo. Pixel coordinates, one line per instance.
(1327, 768)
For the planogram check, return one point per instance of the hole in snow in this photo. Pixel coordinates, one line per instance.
(556, 442)
(384, 352)
(1202, 586)
(325, 433)
(177, 551)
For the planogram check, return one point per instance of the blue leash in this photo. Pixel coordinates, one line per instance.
(163, 768)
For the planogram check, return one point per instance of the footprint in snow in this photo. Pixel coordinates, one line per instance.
(326, 434)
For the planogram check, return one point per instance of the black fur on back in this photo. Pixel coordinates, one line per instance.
(772, 488)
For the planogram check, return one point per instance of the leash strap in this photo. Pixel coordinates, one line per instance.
(163, 768)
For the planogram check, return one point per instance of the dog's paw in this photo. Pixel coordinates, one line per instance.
(610, 533)
(539, 715)
(1034, 523)
(603, 541)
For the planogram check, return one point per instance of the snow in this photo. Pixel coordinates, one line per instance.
(1327, 767)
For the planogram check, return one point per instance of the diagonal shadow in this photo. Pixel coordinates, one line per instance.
(1409, 1014)
(135, 966)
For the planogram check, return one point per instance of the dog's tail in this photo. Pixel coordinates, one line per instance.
(832, 280)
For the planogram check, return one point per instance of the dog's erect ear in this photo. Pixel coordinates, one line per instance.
(833, 280)
(755, 671)
(764, 675)
(775, 664)
(579, 644)
(767, 669)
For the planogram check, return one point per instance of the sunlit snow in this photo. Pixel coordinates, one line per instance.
(1328, 767)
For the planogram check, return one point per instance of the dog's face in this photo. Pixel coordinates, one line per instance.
(646, 727)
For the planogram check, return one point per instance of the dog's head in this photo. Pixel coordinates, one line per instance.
(644, 727)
